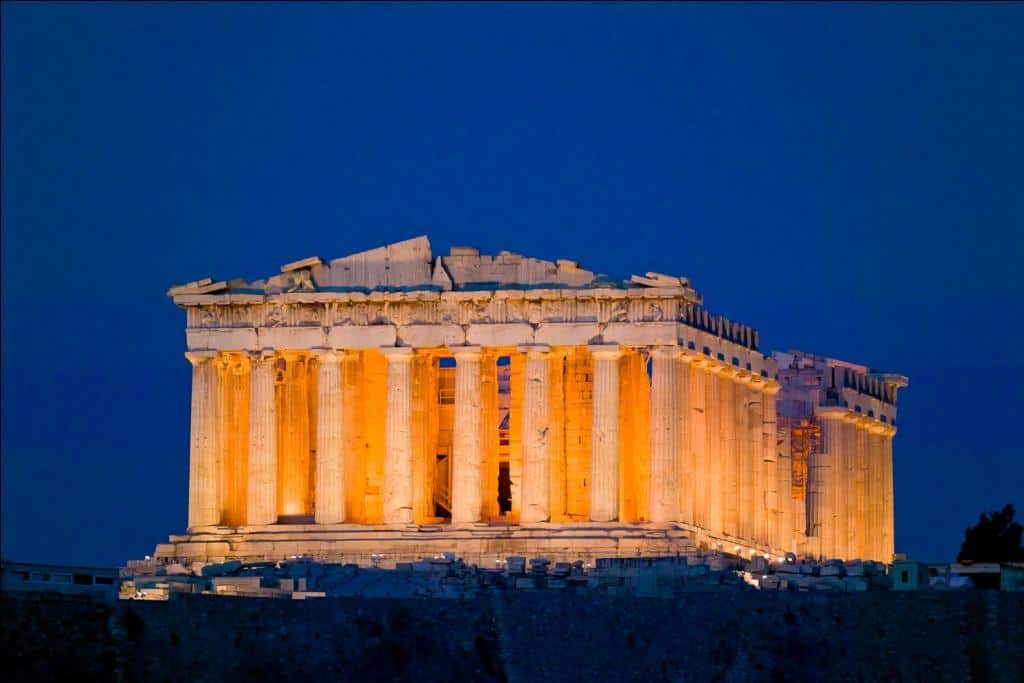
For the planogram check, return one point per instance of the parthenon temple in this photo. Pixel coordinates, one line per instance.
(393, 404)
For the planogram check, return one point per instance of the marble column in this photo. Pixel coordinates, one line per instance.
(261, 500)
(821, 485)
(203, 462)
(876, 493)
(398, 437)
(729, 453)
(329, 501)
(777, 477)
(745, 501)
(861, 504)
(713, 450)
(755, 426)
(535, 435)
(840, 511)
(466, 494)
(604, 443)
(850, 483)
(698, 440)
(664, 470)
(687, 462)
(888, 502)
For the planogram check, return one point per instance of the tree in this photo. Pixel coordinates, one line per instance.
(995, 538)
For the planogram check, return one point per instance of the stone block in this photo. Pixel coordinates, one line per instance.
(431, 336)
(291, 337)
(249, 584)
(222, 569)
(360, 337)
(221, 339)
(566, 334)
(641, 334)
(502, 334)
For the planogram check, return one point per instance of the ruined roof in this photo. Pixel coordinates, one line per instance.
(410, 265)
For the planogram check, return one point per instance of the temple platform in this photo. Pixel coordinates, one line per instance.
(384, 545)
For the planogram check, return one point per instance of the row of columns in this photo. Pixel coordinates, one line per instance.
(850, 487)
(713, 457)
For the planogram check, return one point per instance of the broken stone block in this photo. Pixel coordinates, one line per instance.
(831, 570)
(222, 569)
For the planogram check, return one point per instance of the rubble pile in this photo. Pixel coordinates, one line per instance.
(446, 576)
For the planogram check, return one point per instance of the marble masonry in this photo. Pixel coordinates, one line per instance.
(392, 404)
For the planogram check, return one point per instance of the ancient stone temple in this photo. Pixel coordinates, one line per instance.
(392, 404)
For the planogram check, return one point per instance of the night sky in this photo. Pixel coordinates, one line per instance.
(846, 179)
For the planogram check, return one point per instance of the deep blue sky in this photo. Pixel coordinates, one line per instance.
(847, 179)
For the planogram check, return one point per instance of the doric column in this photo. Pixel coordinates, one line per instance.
(755, 435)
(841, 511)
(729, 454)
(398, 437)
(466, 481)
(536, 447)
(876, 493)
(262, 494)
(862, 532)
(664, 471)
(329, 501)
(713, 450)
(822, 477)
(698, 440)
(745, 503)
(849, 469)
(203, 463)
(604, 440)
(684, 420)
(888, 500)
(777, 478)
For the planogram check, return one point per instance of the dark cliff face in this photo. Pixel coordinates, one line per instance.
(519, 637)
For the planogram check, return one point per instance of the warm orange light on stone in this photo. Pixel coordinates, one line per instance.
(627, 418)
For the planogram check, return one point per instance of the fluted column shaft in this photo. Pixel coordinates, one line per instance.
(536, 427)
(745, 503)
(261, 501)
(713, 447)
(698, 441)
(778, 478)
(760, 515)
(664, 470)
(861, 505)
(821, 488)
(849, 483)
(687, 461)
(467, 452)
(729, 453)
(876, 493)
(888, 500)
(203, 463)
(329, 501)
(604, 443)
(840, 460)
(398, 437)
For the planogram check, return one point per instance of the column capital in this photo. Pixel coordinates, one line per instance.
(605, 351)
(830, 412)
(851, 417)
(200, 357)
(726, 370)
(467, 352)
(324, 354)
(888, 430)
(398, 354)
(876, 427)
(534, 350)
(666, 352)
(771, 387)
(235, 362)
(743, 376)
(262, 355)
